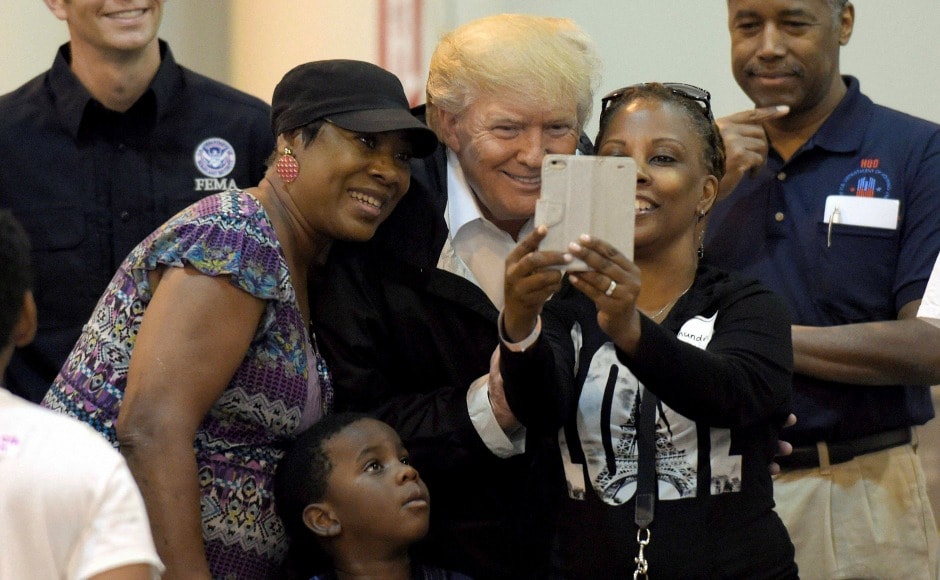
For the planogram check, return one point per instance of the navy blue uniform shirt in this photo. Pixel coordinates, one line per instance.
(773, 228)
(88, 184)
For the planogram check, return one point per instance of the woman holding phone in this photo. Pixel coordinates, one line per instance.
(660, 382)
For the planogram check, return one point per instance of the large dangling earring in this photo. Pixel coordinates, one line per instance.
(287, 166)
(701, 236)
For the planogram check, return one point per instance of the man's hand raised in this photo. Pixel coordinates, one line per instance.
(746, 143)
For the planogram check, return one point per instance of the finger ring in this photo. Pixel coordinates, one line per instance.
(610, 289)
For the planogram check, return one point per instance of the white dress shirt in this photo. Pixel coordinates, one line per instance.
(476, 250)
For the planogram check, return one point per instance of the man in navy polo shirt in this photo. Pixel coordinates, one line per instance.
(100, 150)
(840, 214)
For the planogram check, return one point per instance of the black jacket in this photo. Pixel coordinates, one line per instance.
(404, 341)
(89, 184)
(721, 364)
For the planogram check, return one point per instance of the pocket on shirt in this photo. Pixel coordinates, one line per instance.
(54, 229)
(63, 261)
(857, 266)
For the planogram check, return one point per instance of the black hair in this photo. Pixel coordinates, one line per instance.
(301, 479)
(16, 273)
(712, 144)
(308, 133)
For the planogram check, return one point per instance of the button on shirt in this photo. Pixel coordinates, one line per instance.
(88, 183)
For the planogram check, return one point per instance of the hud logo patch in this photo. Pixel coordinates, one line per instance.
(867, 181)
(215, 157)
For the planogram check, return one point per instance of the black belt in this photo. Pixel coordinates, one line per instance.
(806, 457)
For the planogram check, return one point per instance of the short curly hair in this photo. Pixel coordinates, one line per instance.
(836, 7)
(301, 479)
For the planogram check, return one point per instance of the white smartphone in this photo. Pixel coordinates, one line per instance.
(586, 194)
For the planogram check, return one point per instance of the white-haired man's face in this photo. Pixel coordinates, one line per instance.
(500, 142)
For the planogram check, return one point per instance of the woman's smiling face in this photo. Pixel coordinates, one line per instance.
(673, 184)
(349, 182)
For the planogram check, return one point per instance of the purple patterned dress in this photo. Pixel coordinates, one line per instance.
(274, 393)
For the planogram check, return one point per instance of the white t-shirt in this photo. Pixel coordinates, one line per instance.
(930, 305)
(69, 507)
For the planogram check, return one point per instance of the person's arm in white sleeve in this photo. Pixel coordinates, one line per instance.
(489, 412)
(117, 544)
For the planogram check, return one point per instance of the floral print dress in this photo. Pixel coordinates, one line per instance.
(281, 386)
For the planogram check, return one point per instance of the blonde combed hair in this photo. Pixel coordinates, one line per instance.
(540, 59)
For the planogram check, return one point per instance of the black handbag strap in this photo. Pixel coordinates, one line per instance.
(646, 487)
(646, 483)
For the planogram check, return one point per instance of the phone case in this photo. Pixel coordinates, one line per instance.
(587, 194)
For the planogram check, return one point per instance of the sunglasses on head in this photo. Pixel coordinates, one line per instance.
(692, 92)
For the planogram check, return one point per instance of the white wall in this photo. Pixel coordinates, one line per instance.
(30, 35)
(891, 50)
(271, 37)
(251, 43)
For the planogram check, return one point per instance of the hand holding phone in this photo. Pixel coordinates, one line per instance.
(585, 194)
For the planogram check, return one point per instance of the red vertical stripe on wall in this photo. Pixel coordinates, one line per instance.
(400, 35)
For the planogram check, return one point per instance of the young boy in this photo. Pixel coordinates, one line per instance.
(351, 502)
(69, 507)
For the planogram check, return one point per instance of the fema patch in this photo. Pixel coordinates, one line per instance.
(215, 157)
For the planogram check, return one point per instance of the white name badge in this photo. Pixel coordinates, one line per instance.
(871, 212)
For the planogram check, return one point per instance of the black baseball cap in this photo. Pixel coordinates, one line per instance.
(352, 94)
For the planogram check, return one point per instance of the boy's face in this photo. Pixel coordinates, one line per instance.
(377, 496)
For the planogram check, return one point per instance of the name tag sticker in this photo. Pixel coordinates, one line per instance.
(871, 212)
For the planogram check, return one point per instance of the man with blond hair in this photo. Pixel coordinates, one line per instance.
(408, 322)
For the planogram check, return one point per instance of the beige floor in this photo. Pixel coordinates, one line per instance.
(929, 451)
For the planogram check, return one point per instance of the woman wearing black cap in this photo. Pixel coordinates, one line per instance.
(201, 341)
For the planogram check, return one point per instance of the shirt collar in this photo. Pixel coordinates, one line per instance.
(168, 81)
(844, 130)
(462, 207)
(72, 98)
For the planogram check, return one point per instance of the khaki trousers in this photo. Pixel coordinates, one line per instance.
(866, 518)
